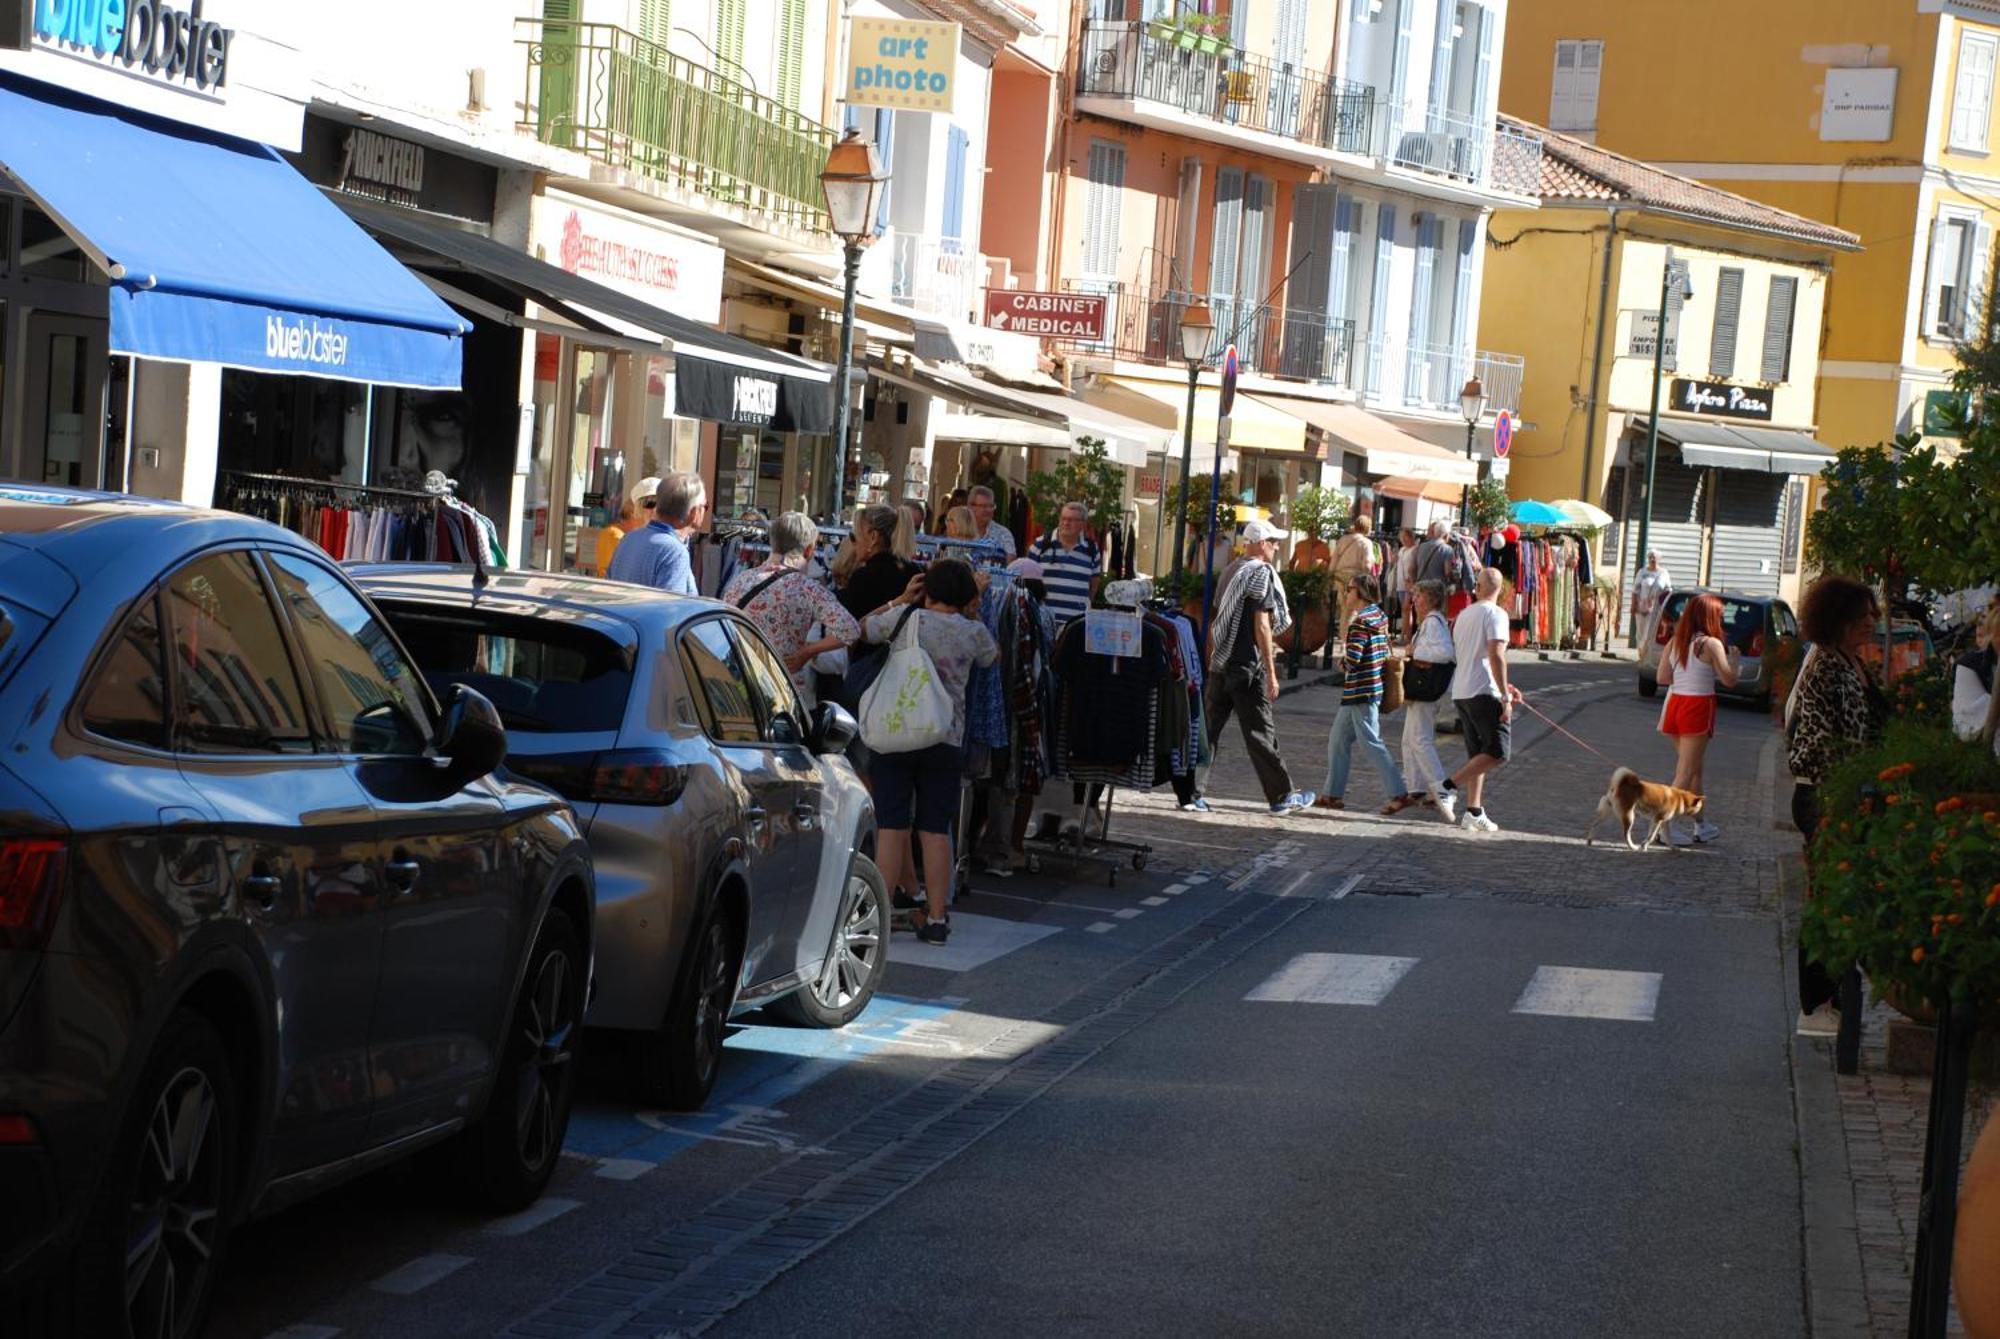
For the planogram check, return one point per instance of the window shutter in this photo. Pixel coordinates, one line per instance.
(1429, 228)
(654, 23)
(791, 51)
(1101, 211)
(1562, 88)
(729, 25)
(1778, 327)
(1313, 208)
(885, 153)
(1447, 15)
(1728, 307)
(1676, 298)
(1378, 296)
(1972, 311)
(1254, 265)
(1399, 69)
(1972, 91)
(1226, 248)
(1934, 279)
(1340, 280)
(1589, 71)
(1180, 266)
(956, 145)
(1288, 45)
(1461, 298)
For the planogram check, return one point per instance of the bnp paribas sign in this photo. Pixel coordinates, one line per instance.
(179, 45)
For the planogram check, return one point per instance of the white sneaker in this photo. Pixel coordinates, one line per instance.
(1478, 822)
(1447, 802)
(1677, 835)
(1821, 1022)
(1706, 831)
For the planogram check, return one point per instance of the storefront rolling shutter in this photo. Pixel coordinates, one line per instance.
(1747, 552)
(1778, 328)
(1676, 532)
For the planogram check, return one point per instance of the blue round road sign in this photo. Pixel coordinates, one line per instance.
(1503, 434)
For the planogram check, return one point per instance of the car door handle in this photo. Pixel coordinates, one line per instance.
(262, 889)
(807, 816)
(759, 817)
(402, 872)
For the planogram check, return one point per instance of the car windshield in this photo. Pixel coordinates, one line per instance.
(545, 678)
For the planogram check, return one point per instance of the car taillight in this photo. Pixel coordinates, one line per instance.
(18, 1130)
(1665, 632)
(615, 776)
(31, 878)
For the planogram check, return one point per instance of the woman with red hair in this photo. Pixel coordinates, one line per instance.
(1694, 662)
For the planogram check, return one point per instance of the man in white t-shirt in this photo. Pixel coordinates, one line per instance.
(1485, 702)
(1649, 594)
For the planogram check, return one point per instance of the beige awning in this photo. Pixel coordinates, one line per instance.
(1253, 425)
(1387, 448)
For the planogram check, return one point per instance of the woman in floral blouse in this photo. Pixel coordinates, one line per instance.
(1834, 712)
(797, 614)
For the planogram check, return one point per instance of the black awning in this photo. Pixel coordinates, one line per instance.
(711, 362)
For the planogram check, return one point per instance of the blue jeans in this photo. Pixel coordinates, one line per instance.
(1358, 723)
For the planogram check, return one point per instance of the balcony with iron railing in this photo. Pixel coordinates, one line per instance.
(1399, 374)
(1459, 148)
(1271, 339)
(634, 105)
(1194, 75)
(938, 276)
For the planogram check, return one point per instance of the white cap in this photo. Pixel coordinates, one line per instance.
(1256, 532)
(644, 489)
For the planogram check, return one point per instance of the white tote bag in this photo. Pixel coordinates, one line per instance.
(907, 707)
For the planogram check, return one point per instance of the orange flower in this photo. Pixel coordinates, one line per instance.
(1993, 898)
(1917, 954)
(1896, 773)
(1953, 919)
(1846, 867)
(1892, 799)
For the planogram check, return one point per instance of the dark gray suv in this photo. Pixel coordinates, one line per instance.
(268, 915)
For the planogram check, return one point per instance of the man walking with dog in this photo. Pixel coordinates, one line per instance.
(1485, 702)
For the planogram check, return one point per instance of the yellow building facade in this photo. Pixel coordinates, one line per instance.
(1576, 285)
(1875, 117)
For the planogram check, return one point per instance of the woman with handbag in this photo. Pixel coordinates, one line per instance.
(917, 788)
(1425, 679)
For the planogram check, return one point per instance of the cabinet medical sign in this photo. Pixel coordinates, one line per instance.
(902, 63)
(1056, 315)
(150, 37)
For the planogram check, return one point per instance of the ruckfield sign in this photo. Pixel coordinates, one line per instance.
(1720, 399)
(902, 63)
(1055, 315)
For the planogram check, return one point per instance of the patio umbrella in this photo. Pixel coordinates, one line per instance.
(1531, 512)
(1582, 513)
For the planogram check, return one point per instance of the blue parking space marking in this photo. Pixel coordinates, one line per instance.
(762, 1066)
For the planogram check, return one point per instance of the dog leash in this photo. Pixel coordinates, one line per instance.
(1566, 734)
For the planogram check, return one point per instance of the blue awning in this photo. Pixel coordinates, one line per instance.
(219, 251)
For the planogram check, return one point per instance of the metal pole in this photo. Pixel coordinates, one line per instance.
(1653, 422)
(843, 394)
(1214, 504)
(1465, 497)
(1187, 464)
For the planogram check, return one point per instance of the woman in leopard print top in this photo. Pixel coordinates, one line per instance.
(1834, 712)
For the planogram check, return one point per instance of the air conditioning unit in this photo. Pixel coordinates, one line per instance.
(1430, 150)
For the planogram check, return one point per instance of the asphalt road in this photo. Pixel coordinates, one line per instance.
(1351, 1077)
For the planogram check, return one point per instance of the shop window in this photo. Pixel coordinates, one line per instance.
(47, 251)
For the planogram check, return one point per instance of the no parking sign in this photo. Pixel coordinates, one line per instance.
(1503, 434)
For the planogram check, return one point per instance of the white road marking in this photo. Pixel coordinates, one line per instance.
(1591, 992)
(532, 1217)
(975, 941)
(1340, 893)
(305, 1332)
(1333, 978)
(1128, 913)
(1174, 889)
(1192, 879)
(1152, 901)
(1100, 927)
(1046, 902)
(1293, 886)
(420, 1274)
(624, 1169)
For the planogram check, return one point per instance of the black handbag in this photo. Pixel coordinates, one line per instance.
(865, 666)
(1425, 682)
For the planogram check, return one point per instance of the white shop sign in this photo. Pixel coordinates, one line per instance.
(1858, 106)
(665, 266)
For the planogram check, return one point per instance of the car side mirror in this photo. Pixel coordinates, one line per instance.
(833, 728)
(473, 742)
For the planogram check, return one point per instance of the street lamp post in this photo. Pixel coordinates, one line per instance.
(1471, 403)
(1197, 330)
(1660, 336)
(852, 182)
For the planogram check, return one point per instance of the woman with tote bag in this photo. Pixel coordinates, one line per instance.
(916, 760)
(1426, 677)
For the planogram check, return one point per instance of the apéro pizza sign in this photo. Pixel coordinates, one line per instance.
(1056, 315)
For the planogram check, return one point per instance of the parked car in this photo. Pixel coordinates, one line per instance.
(732, 839)
(268, 918)
(1754, 624)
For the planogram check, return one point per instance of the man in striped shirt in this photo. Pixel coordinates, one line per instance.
(1359, 720)
(1069, 564)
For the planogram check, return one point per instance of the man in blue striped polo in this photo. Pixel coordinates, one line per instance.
(1069, 563)
(1359, 720)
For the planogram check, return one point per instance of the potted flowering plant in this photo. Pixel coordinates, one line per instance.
(1906, 871)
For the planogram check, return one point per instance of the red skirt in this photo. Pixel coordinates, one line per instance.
(1686, 714)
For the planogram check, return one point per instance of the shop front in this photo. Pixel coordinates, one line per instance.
(1401, 480)
(145, 258)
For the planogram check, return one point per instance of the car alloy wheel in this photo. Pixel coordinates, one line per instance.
(712, 998)
(548, 1047)
(857, 947)
(176, 1208)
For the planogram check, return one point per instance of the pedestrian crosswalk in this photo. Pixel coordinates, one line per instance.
(1367, 979)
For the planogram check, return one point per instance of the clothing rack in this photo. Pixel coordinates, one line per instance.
(243, 485)
(333, 485)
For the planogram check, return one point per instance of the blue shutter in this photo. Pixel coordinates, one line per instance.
(1378, 299)
(885, 151)
(956, 144)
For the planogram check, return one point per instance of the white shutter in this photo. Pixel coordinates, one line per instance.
(1934, 280)
(1589, 70)
(1777, 364)
(1728, 309)
(1461, 298)
(1101, 212)
(1225, 250)
(1573, 91)
(1378, 297)
(1972, 91)
(1339, 289)
(1562, 88)
(1254, 269)
(1399, 68)
(1447, 15)
(1977, 283)
(1288, 35)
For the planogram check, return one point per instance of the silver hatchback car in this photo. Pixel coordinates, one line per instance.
(732, 839)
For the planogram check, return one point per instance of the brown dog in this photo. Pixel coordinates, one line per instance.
(1630, 798)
